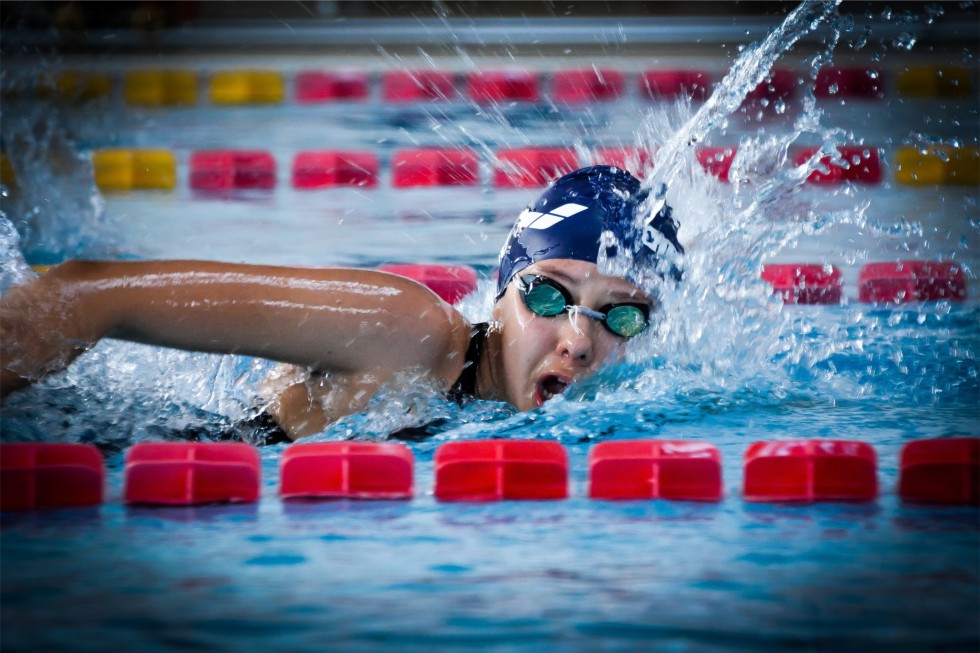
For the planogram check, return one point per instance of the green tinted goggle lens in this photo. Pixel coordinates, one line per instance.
(626, 320)
(546, 298)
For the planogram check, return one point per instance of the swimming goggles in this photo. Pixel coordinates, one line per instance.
(548, 298)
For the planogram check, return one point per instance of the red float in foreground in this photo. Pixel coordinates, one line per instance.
(450, 282)
(805, 283)
(331, 168)
(863, 83)
(417, 86)
(189, 473)
(897, 282)
(222, 170)
(810, 470)
(587, 85)
(672, 84)
(494, 86)
(652, 469)
(494, 470)
(435, 167)
(532, 167)
(860, 164)
(315, 86)
(944, 470)
(50, 475)
(346, 470)
(716, 161)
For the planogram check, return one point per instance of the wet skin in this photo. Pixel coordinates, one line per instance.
(355, 330)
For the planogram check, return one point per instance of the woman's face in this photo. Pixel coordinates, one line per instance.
(541, 356)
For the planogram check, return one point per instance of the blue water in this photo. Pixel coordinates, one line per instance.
(728, 365)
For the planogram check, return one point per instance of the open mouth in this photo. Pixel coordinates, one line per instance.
(548, 387)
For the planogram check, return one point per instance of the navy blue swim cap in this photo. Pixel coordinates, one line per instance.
(570, 218)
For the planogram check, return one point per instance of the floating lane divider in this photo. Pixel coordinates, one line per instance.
(492, 86)
(50, 475)
(942, 470)
(122, 170)
(450, 282)
(43, 475)
(326, 169)
(331, 86)
(898, 282)
(435, 167)
(223, 170)
(346, 470)
(235, 87)
(158, 88)
(247, 87)
(810, 470)
(495, 470)
(655, 469)
(934, 165)
(805, 283)
(191, 473)
(859, 165)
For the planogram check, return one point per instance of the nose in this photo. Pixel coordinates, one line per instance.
(576, 339)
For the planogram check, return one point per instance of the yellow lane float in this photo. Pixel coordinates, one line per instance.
(935, 81)
(937, 165)
(122, 170)
(156, 88)
(247, 87)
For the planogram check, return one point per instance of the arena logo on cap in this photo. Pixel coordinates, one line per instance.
(529, 219)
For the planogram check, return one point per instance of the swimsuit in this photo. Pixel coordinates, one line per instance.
(264, 430)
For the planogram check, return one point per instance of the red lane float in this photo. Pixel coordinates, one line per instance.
(332, 168)
(651, 469)
(779, 85)
(587, 85)
(861, 164)
(866, 83)
(39, 475)
(315, 86)
(190, 473)
(495, 470)
(631, 159)
(435, 167)
(943, 470)
(716, 161)
(897, 282)
(450, 282)
(532, 167)
(346, 470)
(672, 84)
(810, 470)
(417, 86)
(221, 170)
(493, 86)
(808, 283)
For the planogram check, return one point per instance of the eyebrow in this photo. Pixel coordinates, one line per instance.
(634, 297)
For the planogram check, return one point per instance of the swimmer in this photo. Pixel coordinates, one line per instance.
(556, 319)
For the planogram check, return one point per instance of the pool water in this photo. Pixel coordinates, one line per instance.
(728, 364)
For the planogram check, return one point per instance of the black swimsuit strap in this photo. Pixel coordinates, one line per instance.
(465, 386)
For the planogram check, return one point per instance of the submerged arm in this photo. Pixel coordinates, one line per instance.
(340, 320)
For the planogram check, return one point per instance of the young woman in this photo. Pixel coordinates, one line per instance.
(556, 319)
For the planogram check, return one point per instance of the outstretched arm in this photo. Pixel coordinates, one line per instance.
(341, 320)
